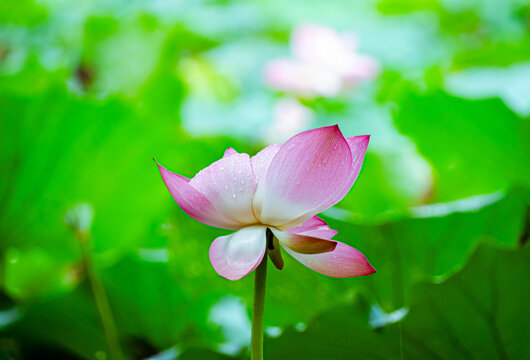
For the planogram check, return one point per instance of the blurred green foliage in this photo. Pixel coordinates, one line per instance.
(474, 314)
(90, 91)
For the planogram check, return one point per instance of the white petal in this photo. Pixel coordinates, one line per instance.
(235, 256)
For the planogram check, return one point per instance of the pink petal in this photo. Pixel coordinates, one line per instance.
(307, 175)
(343, 262)
(302, 243)
(260, 165)
(229, 185)
(229, 152)
(235, 256)
(315, 227)
(193, 202)
(358, 146)
(262, 160)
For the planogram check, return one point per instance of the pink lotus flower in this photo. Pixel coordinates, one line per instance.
(325, 64)
(271, 200)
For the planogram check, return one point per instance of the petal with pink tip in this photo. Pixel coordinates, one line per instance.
(343, 262)
(229, 185)
(306, 176)
(235, 256)
(194, 203)
(315, 227)
(229, 152)
(358, 146)
(303, 244)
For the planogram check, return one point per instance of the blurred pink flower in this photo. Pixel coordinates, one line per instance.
(271, 200)
(325, 64)
(289, 118)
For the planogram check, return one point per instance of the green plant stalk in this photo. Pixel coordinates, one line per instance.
(101, 300)
(258, 310)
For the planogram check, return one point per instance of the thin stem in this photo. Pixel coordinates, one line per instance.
(258, 310)
(102, 302)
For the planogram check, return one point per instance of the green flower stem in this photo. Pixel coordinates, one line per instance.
(102, 302)
(258, 310)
